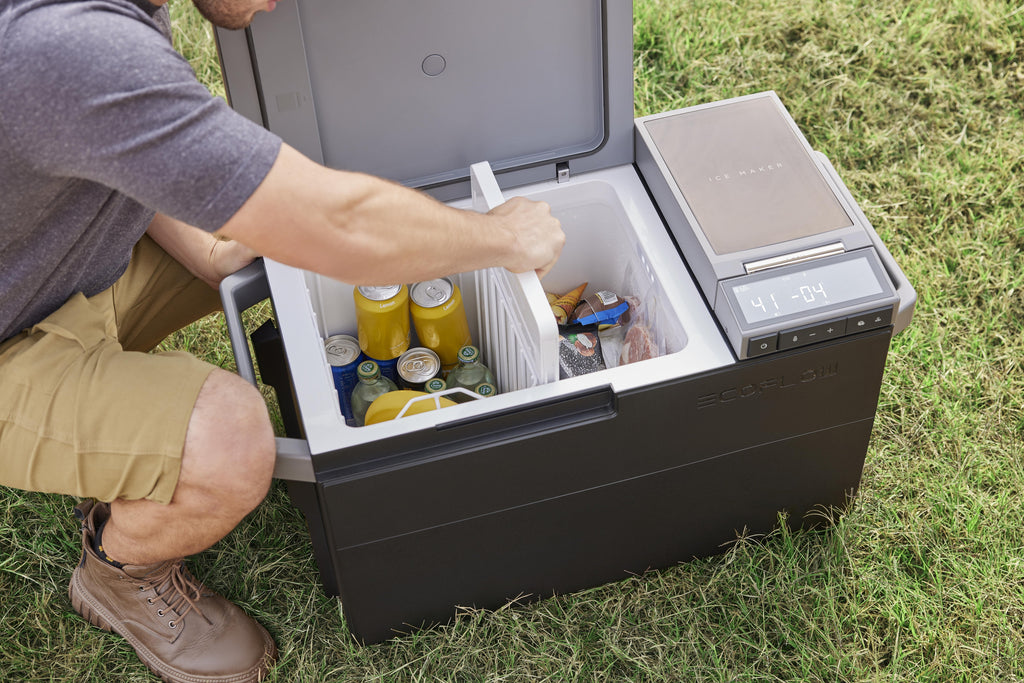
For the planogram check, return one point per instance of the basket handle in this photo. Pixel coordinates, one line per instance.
(239, 292)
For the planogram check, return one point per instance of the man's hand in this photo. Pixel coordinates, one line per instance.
(538, 235)
(206, 256)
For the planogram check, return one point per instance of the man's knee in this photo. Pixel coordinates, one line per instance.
(230, 442)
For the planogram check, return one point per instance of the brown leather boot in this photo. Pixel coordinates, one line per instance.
(181, 630)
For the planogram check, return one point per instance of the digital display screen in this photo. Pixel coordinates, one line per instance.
(807, 290)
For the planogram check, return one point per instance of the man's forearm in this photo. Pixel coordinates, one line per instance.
(189, 246)
(204, 255)
(364, 230)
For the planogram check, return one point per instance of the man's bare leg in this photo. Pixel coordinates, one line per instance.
(226, 469)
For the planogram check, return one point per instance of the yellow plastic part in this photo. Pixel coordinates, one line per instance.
(389, 405)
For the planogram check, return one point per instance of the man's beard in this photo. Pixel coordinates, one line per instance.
(219, 13)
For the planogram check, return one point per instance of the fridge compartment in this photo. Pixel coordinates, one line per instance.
(615, 240)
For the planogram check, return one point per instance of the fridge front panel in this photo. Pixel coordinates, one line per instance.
(662, 475)
(587, 440)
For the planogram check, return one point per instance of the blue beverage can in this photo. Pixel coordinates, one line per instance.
(388, 368)
(344, 356)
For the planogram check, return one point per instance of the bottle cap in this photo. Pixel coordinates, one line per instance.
(468, 354)
(435, 385)
(368, 369)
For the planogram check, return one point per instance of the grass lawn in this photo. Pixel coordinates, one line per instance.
(920, 106)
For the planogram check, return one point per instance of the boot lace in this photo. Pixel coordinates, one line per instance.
(178, 589)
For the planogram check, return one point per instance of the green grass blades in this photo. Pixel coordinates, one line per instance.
(920, 108)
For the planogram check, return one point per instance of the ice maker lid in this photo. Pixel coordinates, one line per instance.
(419, 91)
(744, 164)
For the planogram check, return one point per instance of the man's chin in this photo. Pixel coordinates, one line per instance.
(232, 22)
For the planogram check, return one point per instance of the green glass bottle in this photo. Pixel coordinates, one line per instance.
(435, 386)
(486, 390)
(371, 385)
(470, 372)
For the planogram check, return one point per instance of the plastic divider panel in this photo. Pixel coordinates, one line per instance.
(518, 334)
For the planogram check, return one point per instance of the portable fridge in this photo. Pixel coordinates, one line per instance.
(771, 298)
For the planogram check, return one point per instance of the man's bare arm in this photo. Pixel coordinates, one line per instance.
(364, 230)
(204, 255)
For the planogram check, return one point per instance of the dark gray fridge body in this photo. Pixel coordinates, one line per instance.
(770, 299)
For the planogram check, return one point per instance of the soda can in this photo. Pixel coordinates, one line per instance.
(439, 318)
(416, 366)
(343, 355)
(382, 319)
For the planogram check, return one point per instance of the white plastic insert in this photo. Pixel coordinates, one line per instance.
(518, 335)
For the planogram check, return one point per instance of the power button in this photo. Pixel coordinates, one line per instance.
(766, 343)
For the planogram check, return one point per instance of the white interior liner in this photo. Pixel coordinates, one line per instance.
(615, 240)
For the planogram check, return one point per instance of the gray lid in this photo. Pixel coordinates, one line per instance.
(417, 92)
(745, 163)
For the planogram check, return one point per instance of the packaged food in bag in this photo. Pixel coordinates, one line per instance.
(641, 340)
(603, 308)
(579, 351)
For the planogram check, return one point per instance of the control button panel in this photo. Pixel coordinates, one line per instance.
(811, 334)
(818, 332)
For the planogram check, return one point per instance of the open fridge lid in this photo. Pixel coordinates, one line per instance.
(417, 92)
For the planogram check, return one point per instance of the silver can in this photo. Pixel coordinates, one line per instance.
(416, 366)
(439, 317)
(343, 355)
(379, 292)
(432, 293)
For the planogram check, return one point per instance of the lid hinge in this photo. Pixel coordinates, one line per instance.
(562, 171)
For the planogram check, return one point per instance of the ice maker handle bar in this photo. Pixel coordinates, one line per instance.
(238, 292)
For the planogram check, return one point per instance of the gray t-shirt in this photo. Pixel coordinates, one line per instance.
(102, 123)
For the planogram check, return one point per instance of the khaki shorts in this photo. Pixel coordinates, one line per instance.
(84, 409)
